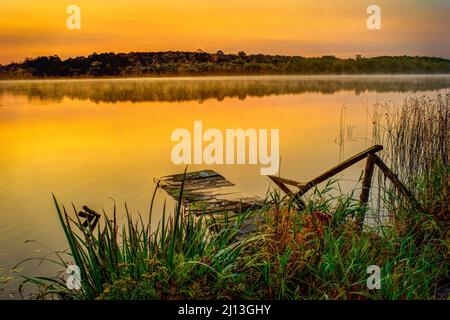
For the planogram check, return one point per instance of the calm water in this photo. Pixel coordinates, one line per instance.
(88, 141)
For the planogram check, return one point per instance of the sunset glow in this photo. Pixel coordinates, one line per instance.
(31, 28)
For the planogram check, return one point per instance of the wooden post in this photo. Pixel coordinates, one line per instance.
(367, 180)
(366, 183)
(396, 182)
(282, 182)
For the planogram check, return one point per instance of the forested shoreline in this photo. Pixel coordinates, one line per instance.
(199, 63)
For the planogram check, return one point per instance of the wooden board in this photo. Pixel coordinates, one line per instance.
(207, 192)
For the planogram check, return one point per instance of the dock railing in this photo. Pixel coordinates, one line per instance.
(372, 160)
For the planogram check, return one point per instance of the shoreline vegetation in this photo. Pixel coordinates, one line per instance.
(317, 252)
(199, 63)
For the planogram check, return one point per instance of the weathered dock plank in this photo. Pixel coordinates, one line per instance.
(207, 191)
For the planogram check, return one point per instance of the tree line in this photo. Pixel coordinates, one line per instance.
(173, 63)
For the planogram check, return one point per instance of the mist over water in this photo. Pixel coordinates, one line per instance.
(218, 88)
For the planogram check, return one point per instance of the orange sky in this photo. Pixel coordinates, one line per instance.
(30, 28)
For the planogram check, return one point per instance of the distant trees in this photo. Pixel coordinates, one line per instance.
(203, 63)
(44, 66)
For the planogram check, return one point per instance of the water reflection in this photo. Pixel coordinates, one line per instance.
(88, 141)
(200, 89)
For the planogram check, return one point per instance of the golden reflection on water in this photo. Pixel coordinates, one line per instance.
(87, 151)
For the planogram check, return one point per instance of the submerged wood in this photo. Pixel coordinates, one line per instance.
(206, 192)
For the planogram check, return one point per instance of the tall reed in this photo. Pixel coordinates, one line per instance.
(416, 144)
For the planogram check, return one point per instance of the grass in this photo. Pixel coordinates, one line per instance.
(316, 253)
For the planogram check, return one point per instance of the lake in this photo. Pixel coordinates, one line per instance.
(91, 141)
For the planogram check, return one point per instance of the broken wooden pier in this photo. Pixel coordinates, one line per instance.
(208, 192)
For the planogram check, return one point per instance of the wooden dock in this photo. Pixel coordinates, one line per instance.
(208, 192)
